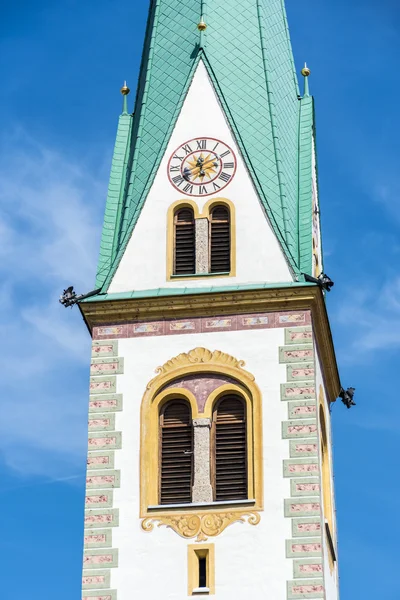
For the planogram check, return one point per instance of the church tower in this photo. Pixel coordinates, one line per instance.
(209, 468)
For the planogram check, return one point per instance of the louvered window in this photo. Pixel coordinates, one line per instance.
(184, 259)
(176, 453)
(230, 449)
(220, 240)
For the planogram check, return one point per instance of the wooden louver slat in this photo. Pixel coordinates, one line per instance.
(185, 253)
(220, 240)
(176, 453)
(230, 449)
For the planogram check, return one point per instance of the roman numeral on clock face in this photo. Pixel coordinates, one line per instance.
(176, 168)
(229, 165)
(202, 190)
(188, 188)
(187, 148)
(201, 144)
(225, 177)
(225, 153)
(178, 180)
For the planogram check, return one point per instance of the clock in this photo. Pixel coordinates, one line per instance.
(202, 166)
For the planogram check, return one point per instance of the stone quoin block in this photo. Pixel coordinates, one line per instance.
(302, 448)
(298, 390)
(102, 595)
(103, 385)
(103, 479)
(101, 348)
(100, 460)
(313, 588)
(102, 518)
(106, 403)
(306, 527)
(299, 429)
(98, 538)
(101, 422)
(99, 499)
(305, 487)
(301, 548)
(301, 372)
(95, 580)
(302, 507)
(311, 567)
(106, 366)
(100, 558)
(301, 467)
(300, 353)
(298, 335)
(105, 440)
(302, 410)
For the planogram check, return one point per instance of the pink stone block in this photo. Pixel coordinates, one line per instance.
(99, 480)
(95, 539)
(99, 499)
(307, 353)
(310, 568)
(299, 391)
(102, 597)
(102, 349)
(97, 368)
(103, 404)
(102, 442)
(308, 507)
(302, 429)
(308, 527)
(303, 468)
(93, 579)
(100, 385)
(313, 547)
(300, 335)
(97, 460)
(304, 410)
(95, 423)
(303, 448)
(92, 519)
(97, 559)
(307, 487)
(303, 373)
(308, 589)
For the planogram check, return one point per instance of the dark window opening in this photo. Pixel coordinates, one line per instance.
(185, 242)
(220, 240)
(202, 572)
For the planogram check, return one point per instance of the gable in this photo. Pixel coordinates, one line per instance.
(144, 262)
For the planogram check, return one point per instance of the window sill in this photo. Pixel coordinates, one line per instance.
(196, 505)
(202, 590)
(196, 275)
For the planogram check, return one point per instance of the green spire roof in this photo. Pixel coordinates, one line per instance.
(246, 50)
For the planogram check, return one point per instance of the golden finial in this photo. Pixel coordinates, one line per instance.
(125, 90)
(305, 71)
(202, 26)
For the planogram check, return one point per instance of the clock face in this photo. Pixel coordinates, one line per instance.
(201, 167)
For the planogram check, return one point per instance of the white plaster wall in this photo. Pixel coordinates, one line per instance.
(259, 256)
(331, 579)
(250, 560)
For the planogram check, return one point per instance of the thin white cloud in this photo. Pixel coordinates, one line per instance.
(50, 221)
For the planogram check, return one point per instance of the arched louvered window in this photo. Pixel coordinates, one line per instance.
(230, 449)
(184, 252)
(176, 453)
(220, 240)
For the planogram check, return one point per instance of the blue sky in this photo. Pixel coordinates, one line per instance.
(61, 67)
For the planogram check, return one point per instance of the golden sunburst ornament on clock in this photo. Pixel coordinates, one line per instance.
(202, 166)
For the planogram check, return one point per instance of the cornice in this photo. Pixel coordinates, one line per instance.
(226, 303)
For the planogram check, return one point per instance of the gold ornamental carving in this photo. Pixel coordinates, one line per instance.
(200, 356)
(201, 526)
